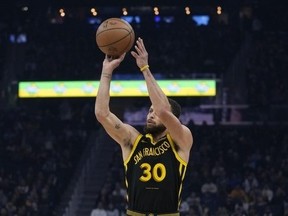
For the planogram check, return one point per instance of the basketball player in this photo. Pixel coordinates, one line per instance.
(155, 162)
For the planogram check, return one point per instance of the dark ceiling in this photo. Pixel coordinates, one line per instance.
(125, 2)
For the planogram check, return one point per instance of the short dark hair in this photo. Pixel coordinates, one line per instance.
(175, 107)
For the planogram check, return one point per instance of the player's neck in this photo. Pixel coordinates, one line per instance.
(157, 137)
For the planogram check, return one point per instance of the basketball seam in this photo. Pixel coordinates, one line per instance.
(128, 29)
(113, 29)
(123, 21)
(128, 43)
(117, 40)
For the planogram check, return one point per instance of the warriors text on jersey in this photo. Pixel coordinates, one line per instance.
(154, 174)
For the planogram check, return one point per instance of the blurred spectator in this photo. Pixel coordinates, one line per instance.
(267, 193)
(112, 211)
(99, 210)
(250, 182)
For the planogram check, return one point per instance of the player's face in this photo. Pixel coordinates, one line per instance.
(153, 123)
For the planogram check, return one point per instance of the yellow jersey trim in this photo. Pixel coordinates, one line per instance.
(151, 138)
(174, 150)
(133, 148)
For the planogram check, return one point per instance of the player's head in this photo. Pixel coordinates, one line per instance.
(175, 107)
(154, 125)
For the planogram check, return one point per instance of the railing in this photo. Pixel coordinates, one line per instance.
(72, 198)
(235, 76)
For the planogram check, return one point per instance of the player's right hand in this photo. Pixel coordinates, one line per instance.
(110, 63)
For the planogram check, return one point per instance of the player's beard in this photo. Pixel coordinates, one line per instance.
(154, 130)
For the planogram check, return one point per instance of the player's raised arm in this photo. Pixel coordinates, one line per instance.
(161, 106)
(122, 133)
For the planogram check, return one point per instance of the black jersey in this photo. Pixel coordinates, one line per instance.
(154, 173)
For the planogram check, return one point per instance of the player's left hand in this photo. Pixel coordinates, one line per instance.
(141, 55)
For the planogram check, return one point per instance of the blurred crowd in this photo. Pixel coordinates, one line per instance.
(41, 144)
(266, 78)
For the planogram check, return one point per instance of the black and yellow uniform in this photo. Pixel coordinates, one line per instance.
(154, 174)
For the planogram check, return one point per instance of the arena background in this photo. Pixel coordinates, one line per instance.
(55, 158)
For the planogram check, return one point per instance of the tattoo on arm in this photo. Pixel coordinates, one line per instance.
(107, 75)
(127, 140)
(117, 126)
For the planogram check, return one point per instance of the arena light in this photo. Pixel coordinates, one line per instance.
(156, 11)
(93, 12)
(219, 10)
(119, 88)
(124, 11)
(187, 11)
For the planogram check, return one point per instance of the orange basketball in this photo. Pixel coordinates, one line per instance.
(115, 36)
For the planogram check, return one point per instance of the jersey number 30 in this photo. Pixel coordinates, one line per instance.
(158, 172)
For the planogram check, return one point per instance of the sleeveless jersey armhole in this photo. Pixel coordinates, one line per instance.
(174, 150)
(133, 148)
